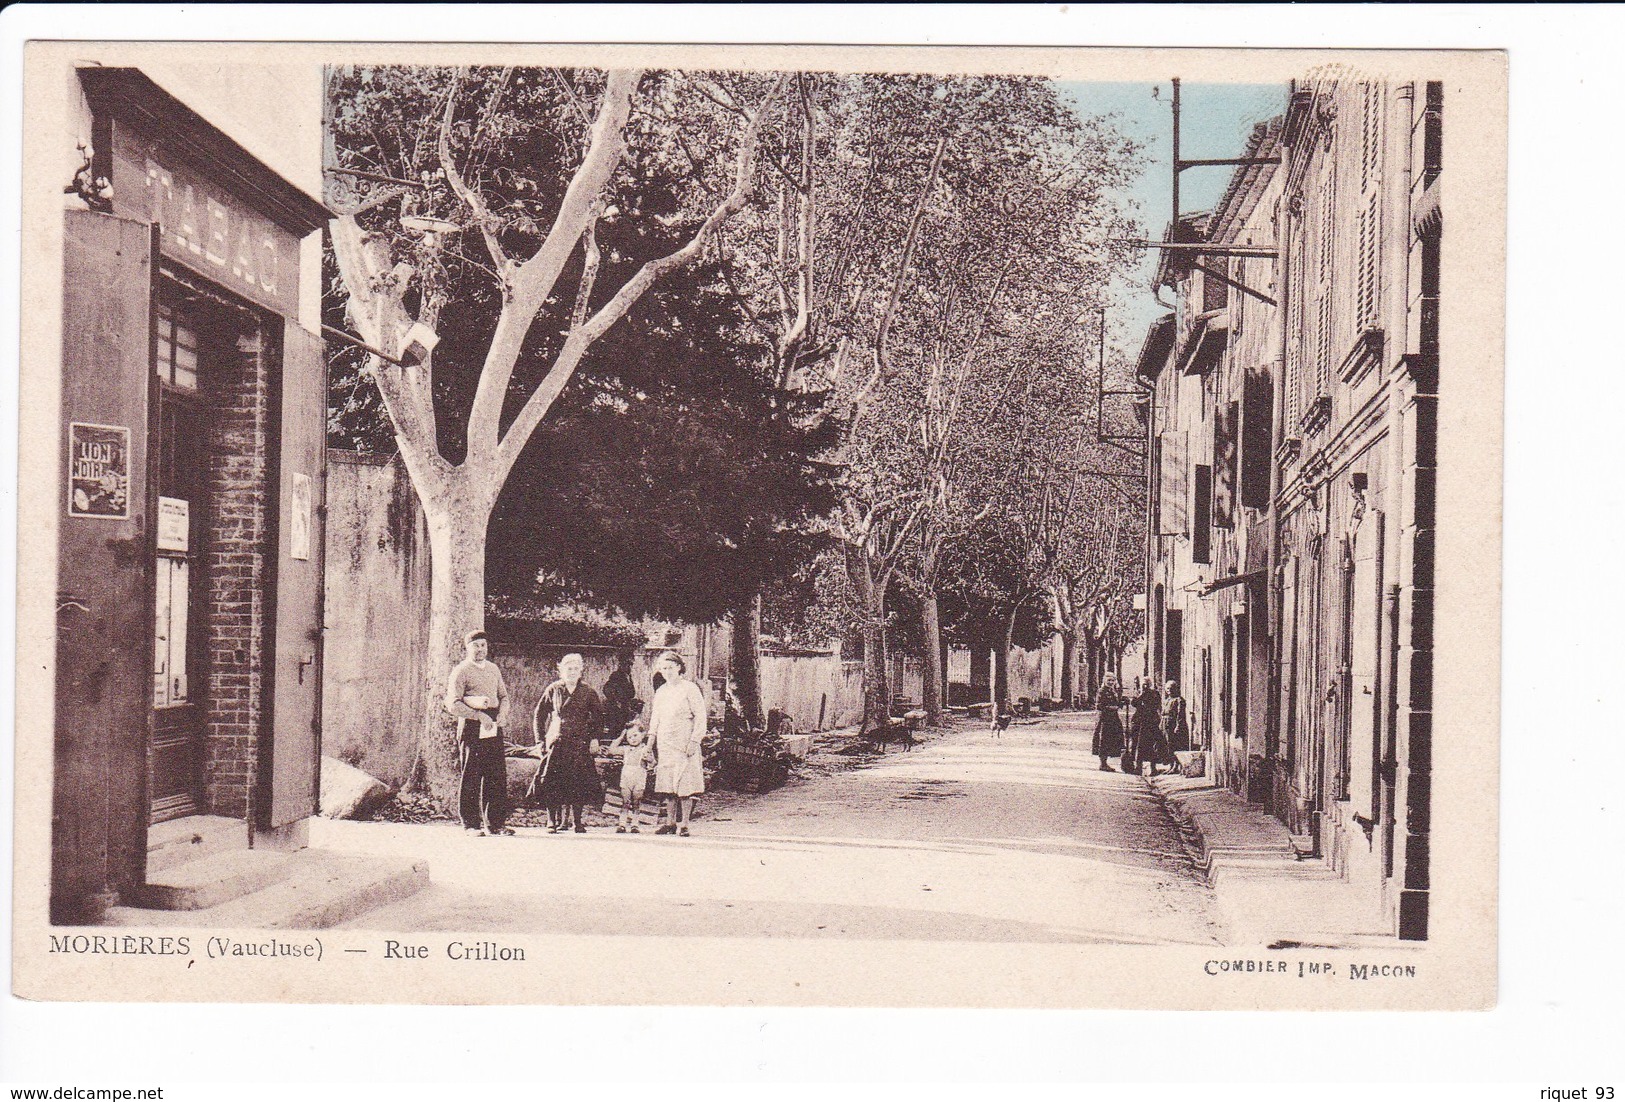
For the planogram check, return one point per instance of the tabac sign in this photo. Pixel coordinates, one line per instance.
(204, 228)
(221, 211)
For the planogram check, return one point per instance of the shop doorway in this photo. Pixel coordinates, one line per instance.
(195, 344)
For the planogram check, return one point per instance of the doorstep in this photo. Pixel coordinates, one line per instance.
(1269, 892)
(308, 889)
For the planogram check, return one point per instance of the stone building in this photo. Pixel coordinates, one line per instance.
(1209, 370)
(188, 650)
(1291, 418)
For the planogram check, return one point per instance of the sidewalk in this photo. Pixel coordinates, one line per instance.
(1266, 891)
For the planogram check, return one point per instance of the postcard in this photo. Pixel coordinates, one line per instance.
(752, 525)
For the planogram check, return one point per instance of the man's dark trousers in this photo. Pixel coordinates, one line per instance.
(482, 801)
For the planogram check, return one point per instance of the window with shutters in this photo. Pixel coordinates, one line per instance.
(1297, 260)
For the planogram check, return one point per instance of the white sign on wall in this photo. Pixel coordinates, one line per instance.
(299, 518)
(174, 524)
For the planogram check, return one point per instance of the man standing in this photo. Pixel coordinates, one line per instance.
(476, 695)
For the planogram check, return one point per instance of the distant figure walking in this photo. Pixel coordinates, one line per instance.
(677, 721)
(476, 694)
(1108, 740)
(568, 722)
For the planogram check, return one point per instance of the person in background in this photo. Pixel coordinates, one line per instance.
(568, 722)
(1176, 724)
(620, 697)
(476, 694)
(677, 726)
(1108, 741)
(1145, 726)
(1151, 748)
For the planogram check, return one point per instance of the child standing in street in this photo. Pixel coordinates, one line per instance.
(633, 748)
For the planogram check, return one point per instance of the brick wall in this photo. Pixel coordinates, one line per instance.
(235, 570)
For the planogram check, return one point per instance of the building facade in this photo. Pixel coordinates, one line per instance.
(1291, 418)
(189, 633)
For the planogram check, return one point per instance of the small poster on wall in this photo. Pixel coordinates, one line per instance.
(174, 524)
(299, 521)
(98, 471)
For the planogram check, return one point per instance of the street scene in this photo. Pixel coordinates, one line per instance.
(750, 503)
(1021, 838)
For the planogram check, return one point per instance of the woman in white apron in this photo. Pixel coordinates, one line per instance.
(677, 727)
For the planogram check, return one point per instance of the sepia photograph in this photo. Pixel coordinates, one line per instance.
(788, 525)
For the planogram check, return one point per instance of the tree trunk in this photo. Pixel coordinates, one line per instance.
(871, 606)
(747, 660)
(933, 675)
(1069, 668)
(1001, 664)
(456, 606)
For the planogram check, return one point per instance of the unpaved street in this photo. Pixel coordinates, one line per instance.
(966, 838)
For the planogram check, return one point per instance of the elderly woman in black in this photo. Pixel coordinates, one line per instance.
(568, 722)
(1109, 724)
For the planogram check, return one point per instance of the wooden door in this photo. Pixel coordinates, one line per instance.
(184, 345)
(294, 774)
(103, 655)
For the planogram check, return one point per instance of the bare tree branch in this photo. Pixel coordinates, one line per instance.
(470, 197)
(581, 337)
(532, 282)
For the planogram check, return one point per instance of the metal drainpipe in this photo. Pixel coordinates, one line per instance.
(1152, 543)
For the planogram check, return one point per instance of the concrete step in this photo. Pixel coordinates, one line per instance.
(190, 838)
(319, 889)
(213, 880)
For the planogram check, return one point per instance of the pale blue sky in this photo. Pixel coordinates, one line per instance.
(1215, 121)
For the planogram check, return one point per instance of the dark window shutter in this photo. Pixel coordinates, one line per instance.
(1202, 514)
(1258, 410)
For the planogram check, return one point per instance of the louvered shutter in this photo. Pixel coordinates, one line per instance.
(1175, 485)
(1326, 249)
(1297, 345)
(1370, 225)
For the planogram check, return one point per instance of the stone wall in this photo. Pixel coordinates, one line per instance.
(377, 616)
(819, 692)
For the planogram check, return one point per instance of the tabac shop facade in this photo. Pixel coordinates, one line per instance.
(188, 657)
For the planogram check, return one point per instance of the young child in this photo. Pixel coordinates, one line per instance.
(634, 751)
